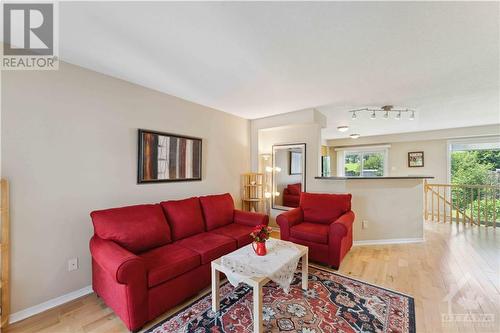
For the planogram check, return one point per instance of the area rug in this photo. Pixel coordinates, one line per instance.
(333, 303)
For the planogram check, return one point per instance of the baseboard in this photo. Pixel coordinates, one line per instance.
(52, 303)
(388, 241)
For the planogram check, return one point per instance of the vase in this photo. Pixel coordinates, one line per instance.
(260, 248)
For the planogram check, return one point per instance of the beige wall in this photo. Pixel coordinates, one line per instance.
(432, 143)
(69, 146)
(393, 209)
(435, 159)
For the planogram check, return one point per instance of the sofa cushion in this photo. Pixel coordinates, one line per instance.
(167, 262)
(209, 245)
(218, 210)
(136, 228)
(185, 217)
(295, 189)
(324, 208)
(240, 233)
(312, 232)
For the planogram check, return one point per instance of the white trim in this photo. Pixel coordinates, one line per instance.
(388, 241)
(360, 148)
(448, 162)
(52, 303)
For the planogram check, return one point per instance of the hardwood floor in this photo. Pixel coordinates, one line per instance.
(457, 261)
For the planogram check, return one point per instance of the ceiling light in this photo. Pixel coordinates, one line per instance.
(354, 136)
(343, 128)
(388, 111)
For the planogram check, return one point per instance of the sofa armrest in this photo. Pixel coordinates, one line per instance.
(341, 226)
(249, 218)
(289, 219)
(121, 264)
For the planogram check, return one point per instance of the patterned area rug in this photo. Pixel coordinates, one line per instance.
(333, 303)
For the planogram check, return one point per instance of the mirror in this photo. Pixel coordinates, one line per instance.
(289, 175)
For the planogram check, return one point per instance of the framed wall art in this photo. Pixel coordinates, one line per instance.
(165, 157)
(415, 159)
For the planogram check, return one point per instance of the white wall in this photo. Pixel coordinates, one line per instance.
(69, 146)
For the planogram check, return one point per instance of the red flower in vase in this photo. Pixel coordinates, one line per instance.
(261, 233)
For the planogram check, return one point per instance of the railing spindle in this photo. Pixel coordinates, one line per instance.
(439, 203)
(432, 202)
(494, 207)
(479, 206)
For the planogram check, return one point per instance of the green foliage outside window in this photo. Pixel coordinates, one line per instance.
(476, 168)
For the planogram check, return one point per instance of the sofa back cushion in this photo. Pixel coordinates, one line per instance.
(218, 210)
(185, 217)
(324, 208)
(294, 189)
(135, 228)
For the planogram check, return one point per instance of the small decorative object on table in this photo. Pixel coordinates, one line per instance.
(260, 234)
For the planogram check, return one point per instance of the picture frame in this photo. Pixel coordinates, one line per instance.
(416, 159)
(295, 163)
(166, 157)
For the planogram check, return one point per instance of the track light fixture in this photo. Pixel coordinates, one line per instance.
(387, 110)
(412, 115)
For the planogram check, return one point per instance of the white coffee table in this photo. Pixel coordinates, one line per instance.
(260, 279)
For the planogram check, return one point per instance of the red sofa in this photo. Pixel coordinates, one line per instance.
(323, 223)
(148, 258)
(291, 195)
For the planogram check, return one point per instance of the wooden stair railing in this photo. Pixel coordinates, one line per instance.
(472, 204)
(5, 254)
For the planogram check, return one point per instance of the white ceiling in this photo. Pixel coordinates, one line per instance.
(256, 59)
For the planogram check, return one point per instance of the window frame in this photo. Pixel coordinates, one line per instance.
(465, 141)
(362, 150)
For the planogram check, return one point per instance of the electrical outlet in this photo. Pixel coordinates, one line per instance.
(72, 264)
(364, 224)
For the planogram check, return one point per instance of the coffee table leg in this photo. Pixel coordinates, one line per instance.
(257, 308)
(305, 271)
(215, 290)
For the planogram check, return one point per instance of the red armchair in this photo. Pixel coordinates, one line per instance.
(323, 223)
(146, 259)
(291, 195)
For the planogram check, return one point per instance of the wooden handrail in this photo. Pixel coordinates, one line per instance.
(475, 204)
(464, 185)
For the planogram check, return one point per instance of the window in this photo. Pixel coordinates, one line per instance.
(362, 161)
(474, 161)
